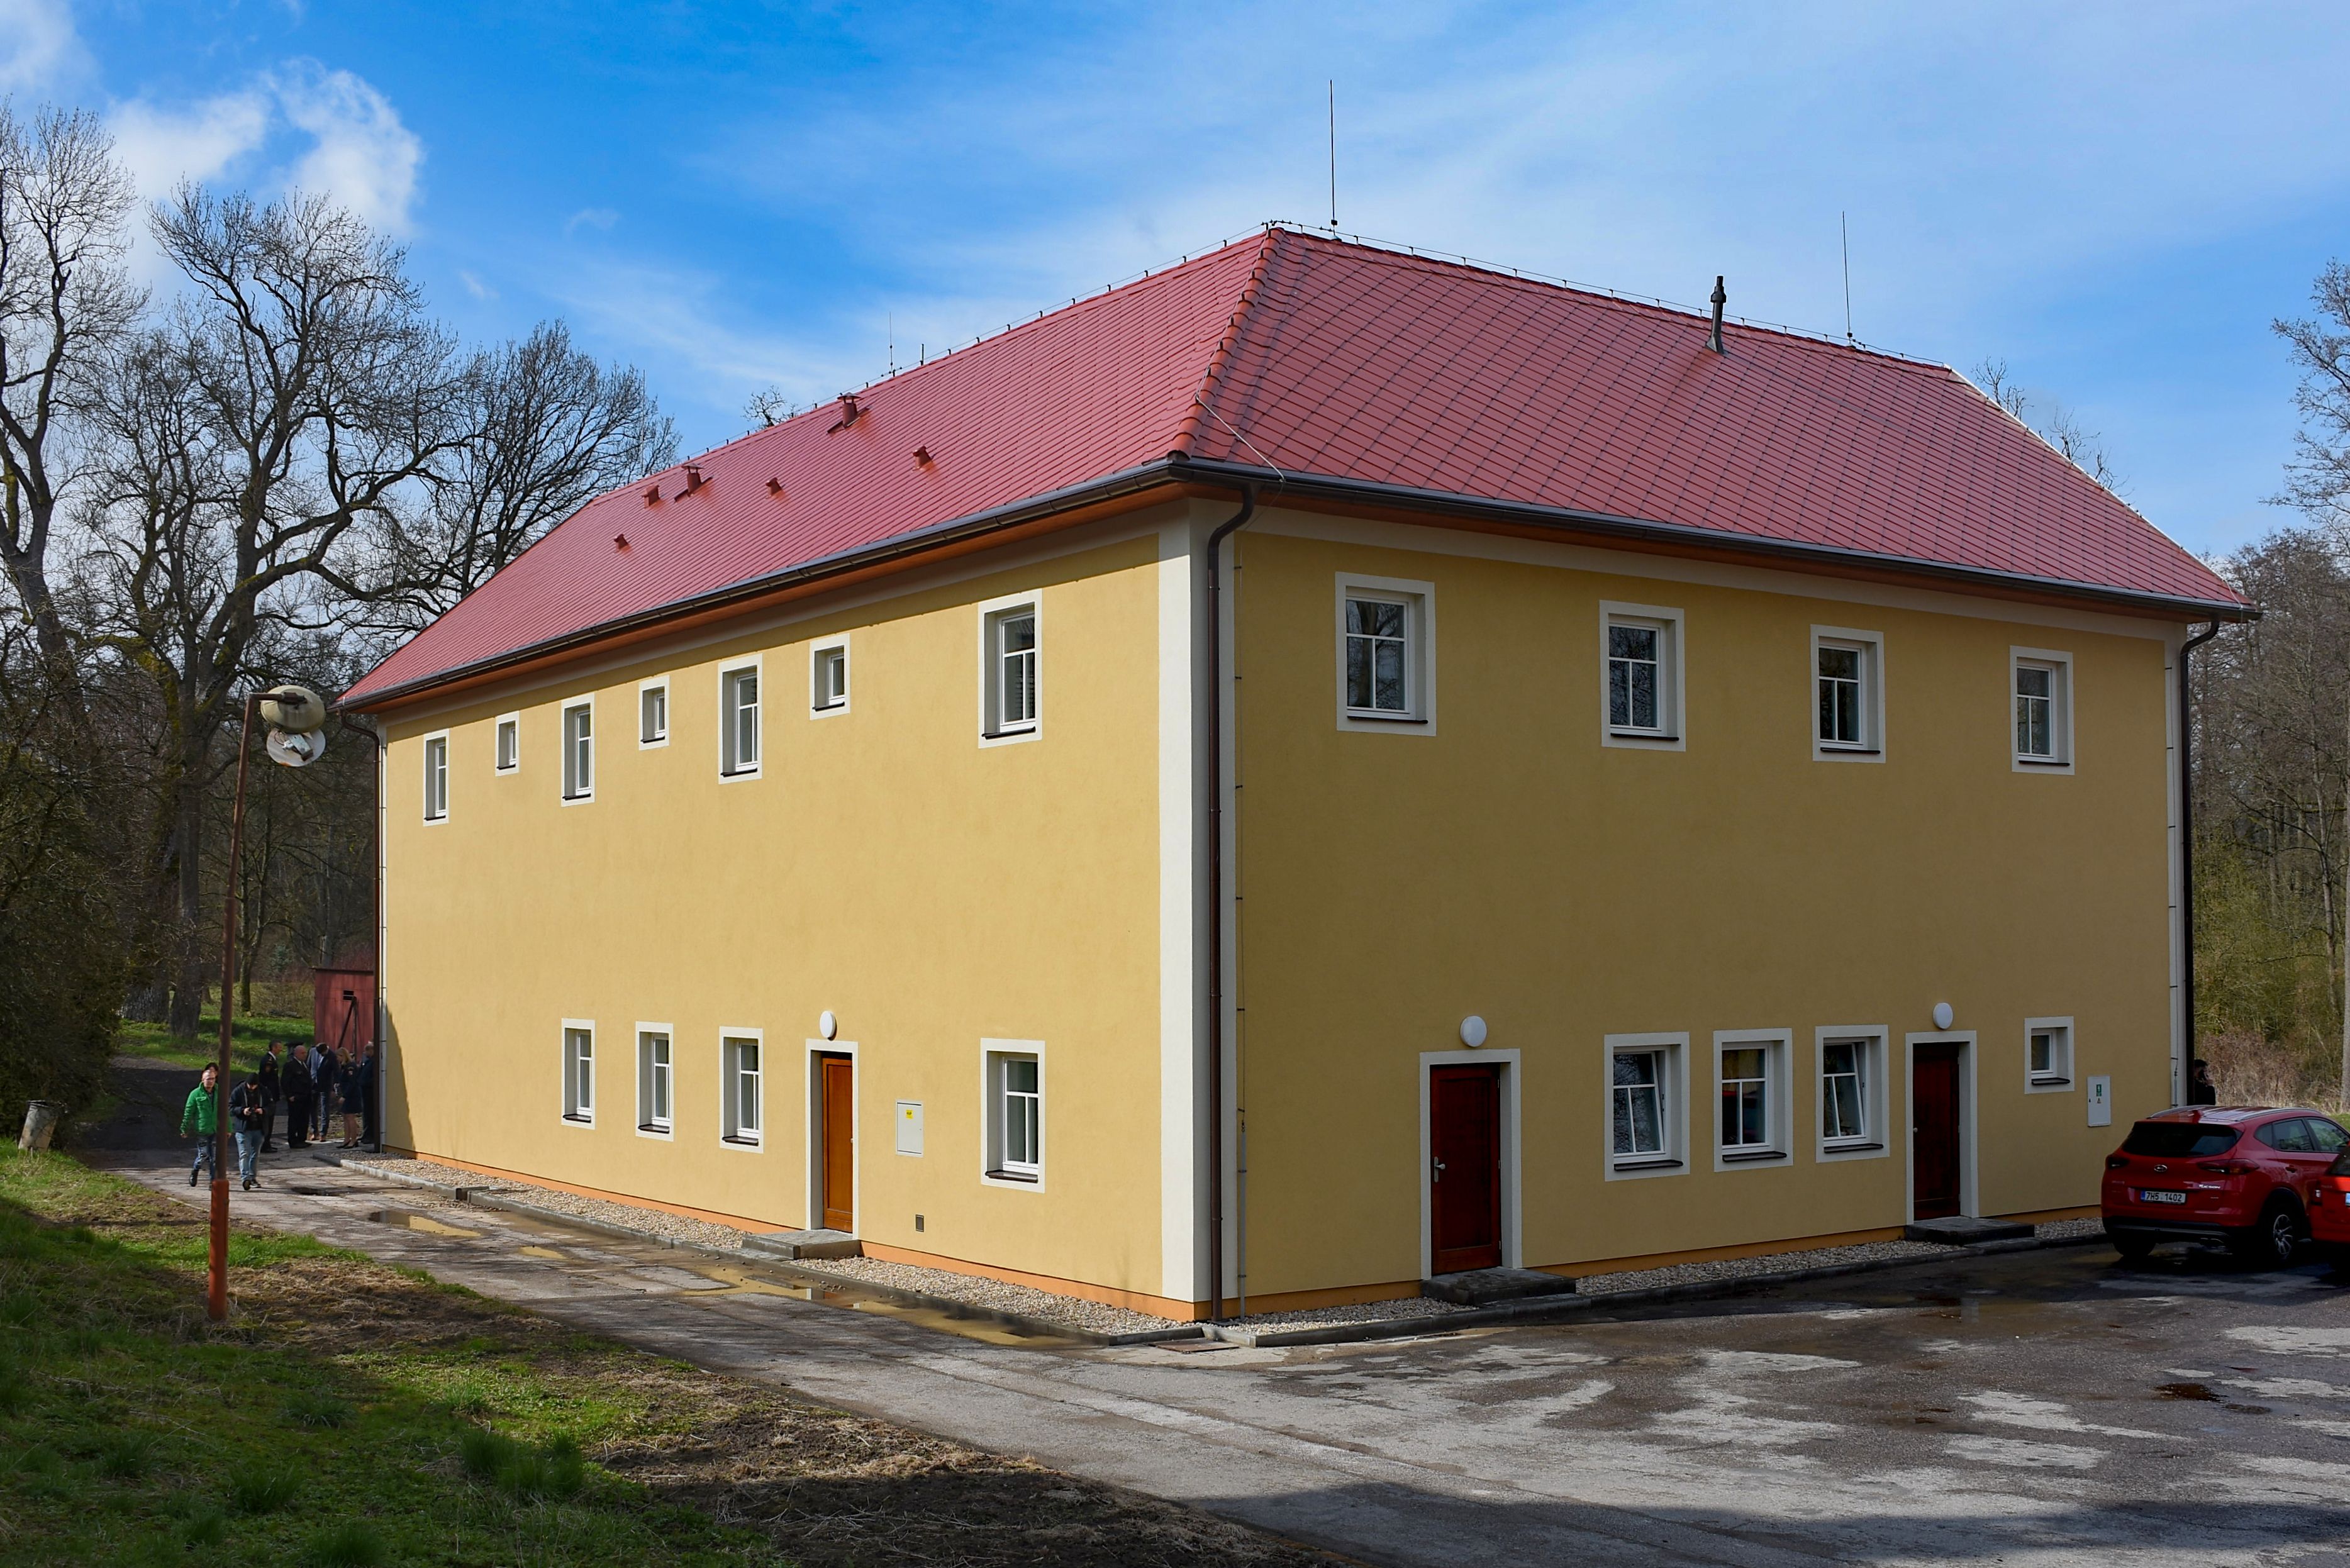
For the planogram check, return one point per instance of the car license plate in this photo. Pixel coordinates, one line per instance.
(2146, 1194)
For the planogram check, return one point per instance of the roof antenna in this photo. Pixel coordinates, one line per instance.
(1845, 229)
(1720, 298)
(891, 319)
(1334, 155)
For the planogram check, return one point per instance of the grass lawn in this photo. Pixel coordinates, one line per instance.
(351, 1413)
(248, 1037)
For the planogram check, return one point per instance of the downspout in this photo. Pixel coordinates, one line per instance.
(2187, 860)
(1216, 904)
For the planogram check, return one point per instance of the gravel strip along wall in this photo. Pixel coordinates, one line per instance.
(1752, 1268)
(994, 1294)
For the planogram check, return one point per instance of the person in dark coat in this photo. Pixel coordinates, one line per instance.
(272, 1091)
(296, 1081)
(248, 1110)
(326, 1076)
(2200, 1089)
(353, 1083)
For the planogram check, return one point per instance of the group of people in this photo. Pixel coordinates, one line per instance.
(313, 1087)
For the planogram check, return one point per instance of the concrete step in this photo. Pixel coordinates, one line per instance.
(1491, 1287)
(791, 1245)
(1965, 1230)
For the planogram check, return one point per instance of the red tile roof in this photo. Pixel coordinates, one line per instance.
(1334, 361)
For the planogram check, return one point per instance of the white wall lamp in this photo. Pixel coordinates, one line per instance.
(827, 1024)
(1473, 1032)
(1943, 1015)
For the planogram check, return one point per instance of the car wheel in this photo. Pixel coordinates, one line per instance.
(2133, 1248)
(2271, 1244)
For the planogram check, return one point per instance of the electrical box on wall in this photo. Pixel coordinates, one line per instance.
(2101, 1102)
(910, 1126)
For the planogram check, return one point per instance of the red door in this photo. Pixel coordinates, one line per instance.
(838, 1086)
(1464, 1139)
(1934, 1146)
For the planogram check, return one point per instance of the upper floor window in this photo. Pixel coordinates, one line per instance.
(652, 713)
(738, 701)
(1012, 694)
(1847, 709)
(436, 777)
(828, 678)
(509, 748)
(2042, 684)
(579, 750)
(1640, 662)
(1386, 653)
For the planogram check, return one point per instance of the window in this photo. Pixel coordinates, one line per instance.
(1844, 1091)
(828, 678)
(1015, 1101)
(1847, 705)
(652, 713)
(738, 726)
(1750, 1121)
(579, 752)
(1385, 655)
(741, 1117)
(1640, 676)
(2288, 1137)
(2047, 1055)
(580, 1072)
(436, 778)
(1011, 675)
(2326, 1137)
(509, 752)
(654, 1084)
(2041, 685)
(1644, 1116)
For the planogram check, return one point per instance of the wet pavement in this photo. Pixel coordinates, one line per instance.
(2054, 1407)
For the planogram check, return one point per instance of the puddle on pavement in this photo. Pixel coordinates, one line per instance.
(408, 1218)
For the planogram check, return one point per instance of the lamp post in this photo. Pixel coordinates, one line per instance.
(297, 738)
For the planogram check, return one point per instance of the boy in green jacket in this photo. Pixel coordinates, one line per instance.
(201, 1117)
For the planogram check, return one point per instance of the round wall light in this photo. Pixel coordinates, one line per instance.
(1943, 1015)
(1473, 1032)
(827, 1024)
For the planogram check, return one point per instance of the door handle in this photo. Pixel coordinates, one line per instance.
(1436, 1170)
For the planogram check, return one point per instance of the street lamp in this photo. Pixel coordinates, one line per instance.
(297, 737)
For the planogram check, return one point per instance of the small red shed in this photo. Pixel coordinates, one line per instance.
(342, 1009)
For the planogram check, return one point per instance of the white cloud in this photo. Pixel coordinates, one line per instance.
(38, 46)
(162, 147)
(361, 154)
(589, 217)
(475, 286)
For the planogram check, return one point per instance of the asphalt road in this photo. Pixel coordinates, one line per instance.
(2038, 1407)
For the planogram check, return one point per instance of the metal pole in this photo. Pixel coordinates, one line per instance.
(216, 1295)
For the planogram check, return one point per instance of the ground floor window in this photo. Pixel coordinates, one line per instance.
(653, 1083)
(580, 1072)
(1748, 1076)
(1844, 1090)
(1644, 1103)
(1016, 1116)
(2048, 1054)
(740, 1075)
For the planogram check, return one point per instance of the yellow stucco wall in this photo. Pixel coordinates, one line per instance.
(928, 890)
(1509, 864)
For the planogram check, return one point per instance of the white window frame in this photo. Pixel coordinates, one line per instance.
(1672, 733)
(1776, 1045)
(570, 752)
(729, 1132)
(2060, 724)
(648, 1125)
(993, 613)
(436, 778)
(818, 654)
(573, 1112)
(644, 690)
(727, 675)
(2063, 1075)
(992, 1171)
(1674, 1159)
(1872, 1143)
(1870, 646)
(1417, 716)
(507, 725)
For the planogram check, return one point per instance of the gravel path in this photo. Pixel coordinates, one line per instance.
(996, 1294)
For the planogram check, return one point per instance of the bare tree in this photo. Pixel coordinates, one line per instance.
(2050, 421)
(2318, 480)
(295, 392)
(546, 431)
(768, 406)
(65, 303)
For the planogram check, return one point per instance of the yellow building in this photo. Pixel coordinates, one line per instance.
(1601, 786)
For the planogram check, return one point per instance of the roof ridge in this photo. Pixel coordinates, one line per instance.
(1187, 435)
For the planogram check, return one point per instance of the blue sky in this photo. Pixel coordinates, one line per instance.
(2116, 200)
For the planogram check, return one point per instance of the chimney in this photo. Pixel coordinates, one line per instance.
(1720, 298)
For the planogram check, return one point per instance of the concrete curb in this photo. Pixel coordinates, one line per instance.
(496, 1198)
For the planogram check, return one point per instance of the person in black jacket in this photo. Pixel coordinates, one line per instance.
(271, 1093)
(296, 1081)
(248, 1110)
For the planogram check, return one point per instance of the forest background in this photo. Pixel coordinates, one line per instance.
(277, 463)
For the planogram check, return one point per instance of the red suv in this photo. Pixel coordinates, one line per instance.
(2245, 1175)
(2329, 1211)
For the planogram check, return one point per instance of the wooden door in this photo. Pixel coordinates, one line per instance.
(837, 1094)
(1935, 1148)
(1464, 1140)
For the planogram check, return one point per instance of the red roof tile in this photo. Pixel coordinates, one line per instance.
(1343, 362)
